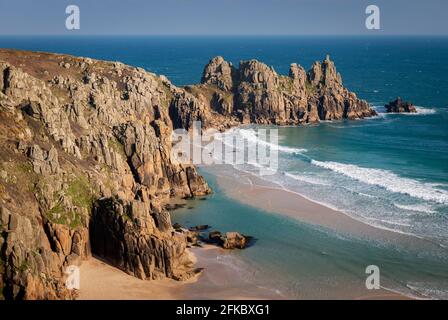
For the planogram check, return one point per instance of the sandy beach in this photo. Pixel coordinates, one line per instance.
(255, 191)
(221, 278)
(101, 281)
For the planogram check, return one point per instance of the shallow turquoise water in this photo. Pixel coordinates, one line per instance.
(304, 261)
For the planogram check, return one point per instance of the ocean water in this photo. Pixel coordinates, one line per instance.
(296, 260)
(390, 171)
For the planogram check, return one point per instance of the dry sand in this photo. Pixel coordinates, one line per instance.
(101, 281)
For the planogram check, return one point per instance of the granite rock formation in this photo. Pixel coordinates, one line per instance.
(86, 165)
(255, 93)
(230, 240)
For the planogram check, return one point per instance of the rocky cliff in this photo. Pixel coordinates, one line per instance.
(85, 161)
(86, 167)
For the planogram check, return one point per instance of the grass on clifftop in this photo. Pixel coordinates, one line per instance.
(286, 84)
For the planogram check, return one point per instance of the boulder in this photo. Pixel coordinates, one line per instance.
(231, 240)
(201, 227)
(235, 240)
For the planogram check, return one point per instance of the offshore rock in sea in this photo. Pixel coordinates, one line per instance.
(399, 106)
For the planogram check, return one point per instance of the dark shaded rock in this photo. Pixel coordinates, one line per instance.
(174, 206)
(200, 227)
(215, 237)
(125, 235)
(399, 106)
(177, 226)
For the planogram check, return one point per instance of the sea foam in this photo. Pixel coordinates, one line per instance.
(421, 111)
(250, 136)
(388, 180)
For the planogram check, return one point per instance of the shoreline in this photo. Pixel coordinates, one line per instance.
(257, 192)
(102, 281)
(221, 278)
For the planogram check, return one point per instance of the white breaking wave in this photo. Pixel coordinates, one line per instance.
(421, 111)
(415, 207)
(250, 136)
(437, 291)
(388, 180)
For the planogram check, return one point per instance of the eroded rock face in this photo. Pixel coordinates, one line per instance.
(255, 93)
(73, 131)
(137, 239)
(399, 106)
(220, 73)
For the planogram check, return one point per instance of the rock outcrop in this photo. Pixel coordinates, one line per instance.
(399, 106)
(85, 168)
(220, 73)
(255, 93)
(136, 238)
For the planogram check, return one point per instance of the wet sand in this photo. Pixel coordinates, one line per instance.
(265, 195)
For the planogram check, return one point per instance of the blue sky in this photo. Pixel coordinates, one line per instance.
(223, 17)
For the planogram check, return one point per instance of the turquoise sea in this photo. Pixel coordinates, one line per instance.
(390, 171)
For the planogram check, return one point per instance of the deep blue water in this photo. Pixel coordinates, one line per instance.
(391, 171)
(412, 67)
